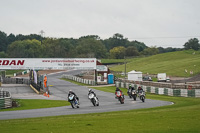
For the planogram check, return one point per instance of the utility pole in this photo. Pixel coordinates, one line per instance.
(42, 35)
(125, 65)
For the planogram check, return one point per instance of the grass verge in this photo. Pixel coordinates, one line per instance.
(183, 116)
(25, 104)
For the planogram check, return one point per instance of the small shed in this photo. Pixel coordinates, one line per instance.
(135, 75)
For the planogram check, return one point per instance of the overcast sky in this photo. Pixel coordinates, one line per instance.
(165, 23)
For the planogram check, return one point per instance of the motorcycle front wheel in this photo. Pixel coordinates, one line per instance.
(93, 101)
(72, 104)
(134, 97)
(121, 100)
(142, 98)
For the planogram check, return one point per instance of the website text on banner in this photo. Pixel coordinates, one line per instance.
(47, 63)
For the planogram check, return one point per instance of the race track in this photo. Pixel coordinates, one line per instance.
(59, 91)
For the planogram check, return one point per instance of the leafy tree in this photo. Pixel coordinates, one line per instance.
(192, 44)
(117, 52)
(161, 50)
(11, 38)
(51, 48)
(131, 51)
(67, 49)
(150, 51)
(89, 47)
(3, 54)
(96, 37)
(115, 41)
(139, 45)
(25, 49)
(3, 41)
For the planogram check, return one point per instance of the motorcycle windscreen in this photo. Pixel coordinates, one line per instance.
(71, 97)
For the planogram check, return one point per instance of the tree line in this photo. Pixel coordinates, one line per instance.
(91, 46)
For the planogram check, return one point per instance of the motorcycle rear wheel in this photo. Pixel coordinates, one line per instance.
(134, 97)
(93, 102)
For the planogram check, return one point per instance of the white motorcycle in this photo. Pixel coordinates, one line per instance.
(141, 95)
(93, 99)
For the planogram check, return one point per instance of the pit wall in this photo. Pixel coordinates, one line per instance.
(162, 91)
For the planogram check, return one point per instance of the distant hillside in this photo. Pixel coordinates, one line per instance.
(172, 63)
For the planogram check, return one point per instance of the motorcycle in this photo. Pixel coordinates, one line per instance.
(93, 99)
(74, 101)
(120, 97)
(134, 95)
(142, 96)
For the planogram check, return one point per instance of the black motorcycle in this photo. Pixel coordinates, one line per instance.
(134, 94)
(129, 92)
(74, 101)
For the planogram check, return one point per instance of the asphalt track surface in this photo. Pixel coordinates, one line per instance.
(59, 91)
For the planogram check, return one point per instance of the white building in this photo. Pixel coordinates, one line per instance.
(135, 76)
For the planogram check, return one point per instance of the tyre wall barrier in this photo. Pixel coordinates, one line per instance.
(78, 79)
(162, 90)
(5, 99)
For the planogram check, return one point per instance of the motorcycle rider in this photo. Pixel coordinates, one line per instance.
(117, 89)
(130, 89)
(71, 92)
(91, 91)
(140, 89)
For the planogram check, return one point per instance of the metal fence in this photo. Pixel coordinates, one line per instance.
(5, 99)
(36, 86)
(15, 81)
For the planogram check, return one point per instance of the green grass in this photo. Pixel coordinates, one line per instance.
(37, 104)
(183, 116)
(172, 63)
(11, 72)
(111, 61)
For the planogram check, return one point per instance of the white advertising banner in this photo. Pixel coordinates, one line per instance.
(47, 63)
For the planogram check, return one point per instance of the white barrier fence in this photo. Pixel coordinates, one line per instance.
(78, 79)
(5, 99)
(162, 90)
